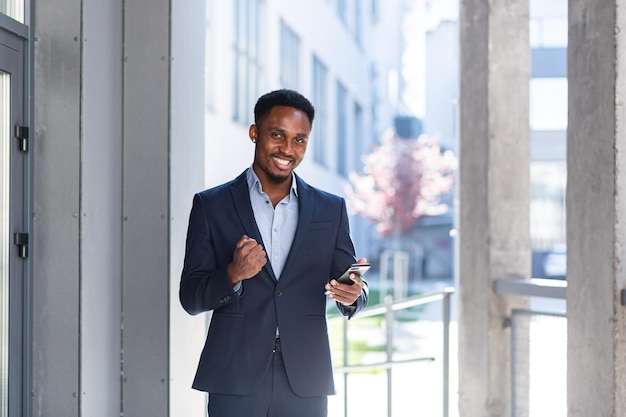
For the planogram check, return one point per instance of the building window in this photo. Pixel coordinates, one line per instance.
(342, 10)
(289, 44)
(342, 129)
(547, 204)
(357, 23)
(375, 10)
(247, 58)
(13, 8)
(319, 97)
(374, 98)
(209, 73)
(548, 103)
(548, 23)
(358, 141)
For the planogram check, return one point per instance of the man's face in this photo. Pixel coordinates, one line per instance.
(281, 138)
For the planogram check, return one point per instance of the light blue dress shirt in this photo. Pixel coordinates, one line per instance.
(276, 224)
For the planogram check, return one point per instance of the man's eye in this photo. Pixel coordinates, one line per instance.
(275, 135)
(300, 140)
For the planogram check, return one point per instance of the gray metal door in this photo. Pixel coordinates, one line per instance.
(14, 227)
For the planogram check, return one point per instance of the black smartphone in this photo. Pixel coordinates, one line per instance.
(358, 269)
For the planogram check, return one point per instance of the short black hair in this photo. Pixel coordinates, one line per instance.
(283, 97)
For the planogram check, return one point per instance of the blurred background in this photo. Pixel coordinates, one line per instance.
(381, 71)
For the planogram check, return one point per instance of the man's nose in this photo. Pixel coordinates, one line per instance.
(287, 147)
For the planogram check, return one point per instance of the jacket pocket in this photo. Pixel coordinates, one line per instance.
(231, 315)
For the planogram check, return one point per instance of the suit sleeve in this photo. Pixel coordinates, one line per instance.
(344, 255)
(204, 282)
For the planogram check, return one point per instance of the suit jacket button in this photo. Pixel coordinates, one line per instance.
(279, 293)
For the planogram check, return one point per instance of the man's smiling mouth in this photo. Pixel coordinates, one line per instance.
(281, 161)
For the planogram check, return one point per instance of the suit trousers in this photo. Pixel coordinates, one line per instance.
(275, 398)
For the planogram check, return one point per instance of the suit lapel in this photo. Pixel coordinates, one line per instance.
(241, 199)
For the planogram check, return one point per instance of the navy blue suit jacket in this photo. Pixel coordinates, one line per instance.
(238, 348)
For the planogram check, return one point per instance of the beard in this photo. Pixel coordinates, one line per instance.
(277, 179)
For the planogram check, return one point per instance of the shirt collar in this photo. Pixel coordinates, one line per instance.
(255, 183)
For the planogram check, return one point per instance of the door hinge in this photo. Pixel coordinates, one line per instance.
(21, 241)
(21, 134)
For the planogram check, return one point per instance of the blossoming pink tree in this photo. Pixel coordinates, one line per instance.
(402, 180)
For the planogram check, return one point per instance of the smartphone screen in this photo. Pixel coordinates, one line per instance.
(358, 269)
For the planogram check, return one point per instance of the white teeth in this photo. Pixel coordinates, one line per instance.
(282, 161)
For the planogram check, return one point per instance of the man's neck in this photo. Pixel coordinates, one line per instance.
(275, 191)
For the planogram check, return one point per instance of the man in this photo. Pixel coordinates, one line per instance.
(267, 352)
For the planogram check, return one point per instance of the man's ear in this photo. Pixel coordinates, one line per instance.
(252, 133)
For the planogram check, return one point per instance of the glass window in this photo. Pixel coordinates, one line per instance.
(374, 98)
(547, 203)
(247, 59)
(12, 199)
(342, 129)
(548, 23)
(548, 103)
(5, 140)
(342, 10)
(357, 22)
(289, 43)
(358, 137)
(209, 58)
(319, 97)
(13, 9)
(375, 10)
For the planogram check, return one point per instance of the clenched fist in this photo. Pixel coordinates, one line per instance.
(248, 259)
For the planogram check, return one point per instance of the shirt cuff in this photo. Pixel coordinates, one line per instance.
(238, 288)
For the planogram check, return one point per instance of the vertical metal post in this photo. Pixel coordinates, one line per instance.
(345, 364)
(514, 400)
(389, 321)
(384, 275)
(446, 351)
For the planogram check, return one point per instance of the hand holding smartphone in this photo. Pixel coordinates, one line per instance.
(358, 269)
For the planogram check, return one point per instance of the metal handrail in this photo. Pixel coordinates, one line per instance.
(380, 365)
(533, 287)
(387, 309)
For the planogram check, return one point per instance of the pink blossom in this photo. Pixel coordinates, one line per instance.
(403, 180)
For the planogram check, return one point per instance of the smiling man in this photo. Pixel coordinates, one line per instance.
(262, 253)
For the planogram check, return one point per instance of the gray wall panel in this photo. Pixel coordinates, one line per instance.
(146, 208)
(101, 217)
(56, 206)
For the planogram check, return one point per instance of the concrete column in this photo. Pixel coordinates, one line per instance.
(596, 208)
(494, 195)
